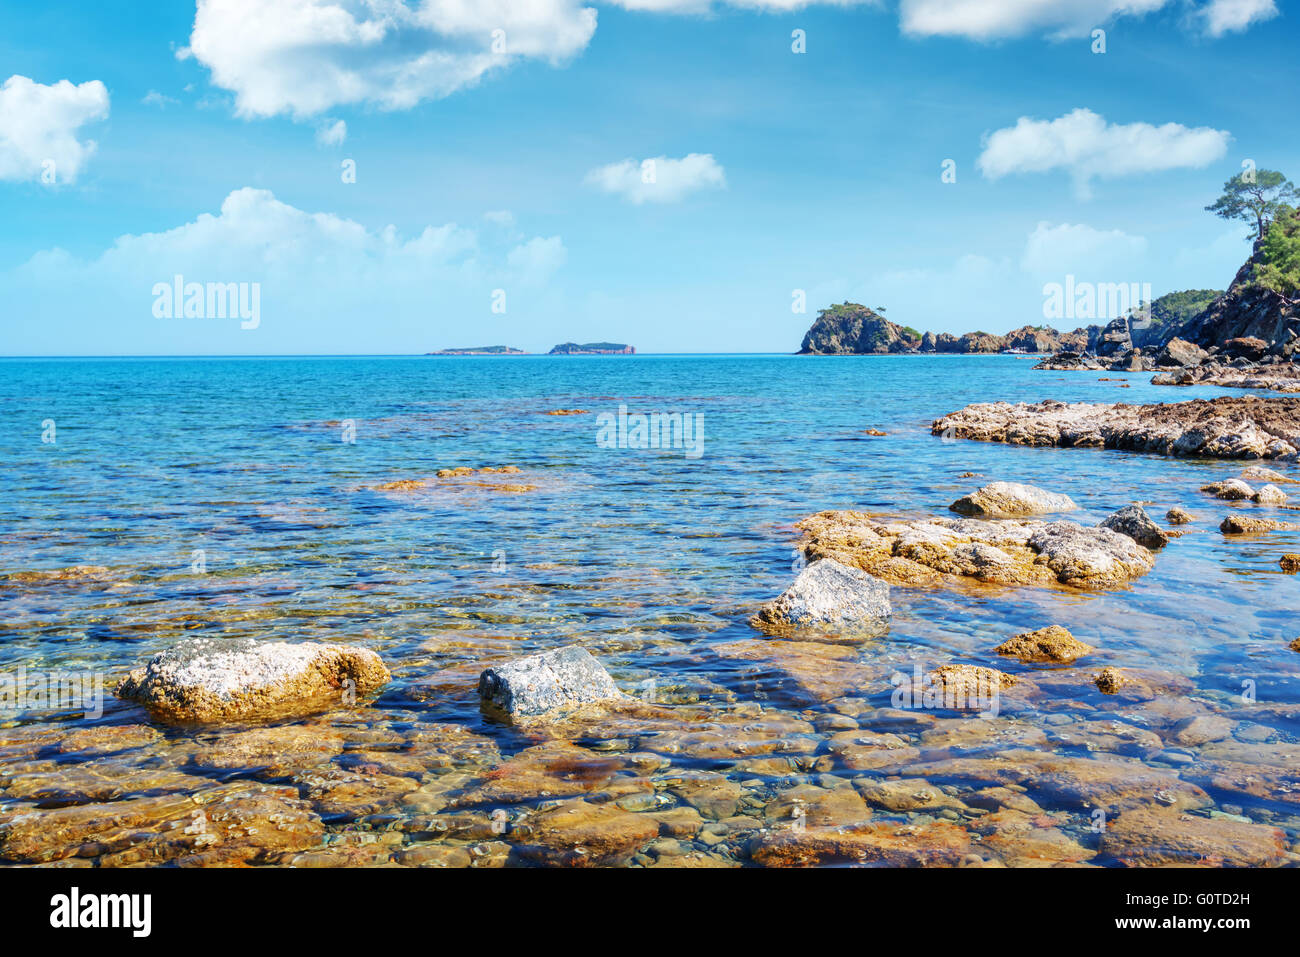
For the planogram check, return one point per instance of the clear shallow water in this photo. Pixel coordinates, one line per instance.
(650, 559)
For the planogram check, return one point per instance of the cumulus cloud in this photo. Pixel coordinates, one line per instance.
(39, 124)
(305, 56)
(659, 179)
(1085, 145)
(322, 278)
(1234, 16)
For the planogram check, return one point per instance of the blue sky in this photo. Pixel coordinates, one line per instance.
(218, 154)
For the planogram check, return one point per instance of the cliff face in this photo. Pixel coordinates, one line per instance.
(1244, 313)
(853, 329)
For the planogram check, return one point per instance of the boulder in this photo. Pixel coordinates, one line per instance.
(1133, 521)
(1245, 347)
(1179, 516)
(203, 680)
(828, 594)
(1181, 353)
(547, 684)
(1009, 499)
(1269, 495)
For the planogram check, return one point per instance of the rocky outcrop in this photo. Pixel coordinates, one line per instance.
(1071, 361)
(1277, 375)
(1245, 311)
(1011, 499)
(933, 551)
(203, 680)
(547, 684)
(1033, 339)
(1230, 427)
(829, 595)
(980, 343)
(853, 329)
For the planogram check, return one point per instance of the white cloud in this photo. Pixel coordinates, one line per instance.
(331, 133)
(1078, 248)
(325, 282)
(500, 217)
(38, 125)
(160, 100)
(1085, 145)
(305, 56)
(659, 179)
(998, 19)
(1234, 16)
(538, 258)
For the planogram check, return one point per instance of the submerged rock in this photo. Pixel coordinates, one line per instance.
(547, 684)
(578, 833)
(202, 680)
(830, 595)
(1147, 837)
(931, 845)
(1010, 499)
(1245, 427)
(1179, 516)
(1053, 643)
(1007, 552)
(1133, 521)
(1110, 680)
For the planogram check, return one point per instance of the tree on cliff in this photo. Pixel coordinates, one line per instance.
(1279, 270)
(1256, 196)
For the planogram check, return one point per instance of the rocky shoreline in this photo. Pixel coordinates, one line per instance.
(1245, 427)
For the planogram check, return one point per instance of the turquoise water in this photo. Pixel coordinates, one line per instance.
(648, 558)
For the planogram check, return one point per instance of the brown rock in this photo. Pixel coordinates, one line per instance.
(1052, 643)
(577, 833)
(934, 845)
(277, 752)
(1244, 525)
(202, 680)
(1146, 837)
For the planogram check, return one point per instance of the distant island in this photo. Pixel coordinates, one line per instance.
(480, 351)
(592, 349)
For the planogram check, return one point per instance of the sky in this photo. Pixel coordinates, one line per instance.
(402, 176)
